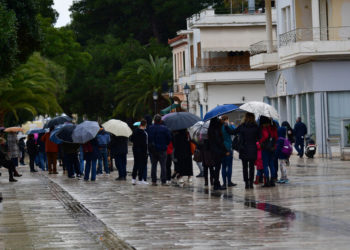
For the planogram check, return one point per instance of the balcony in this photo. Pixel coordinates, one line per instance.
(223, 64)
(260, 59)
(302, 43)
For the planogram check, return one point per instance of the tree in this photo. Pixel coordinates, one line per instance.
(31, 89)
(136, 83)
(143, 19)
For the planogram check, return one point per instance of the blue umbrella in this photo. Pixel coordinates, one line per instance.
(219, 110)
(65, 133)
(37, 131)
(137, 124)
(85, 132)
(53, 136)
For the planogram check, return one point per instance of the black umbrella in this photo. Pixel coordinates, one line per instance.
(180, 120)
(65, 133)
(57, 121)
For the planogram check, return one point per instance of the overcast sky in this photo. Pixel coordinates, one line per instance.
(62, 7)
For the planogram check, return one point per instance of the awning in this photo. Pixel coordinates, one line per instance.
(169, 109)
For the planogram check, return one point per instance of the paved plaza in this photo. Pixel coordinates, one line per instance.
(54, 212)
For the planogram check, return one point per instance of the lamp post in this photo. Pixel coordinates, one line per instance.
(155, 98)
(187, 91)
(171, 94)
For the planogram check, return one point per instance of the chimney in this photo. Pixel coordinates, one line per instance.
(251, 6)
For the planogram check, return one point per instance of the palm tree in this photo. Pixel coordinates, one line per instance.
(31, 89)
(136, 83)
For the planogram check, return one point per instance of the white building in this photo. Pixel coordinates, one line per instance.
(309, 72)
(212, 57)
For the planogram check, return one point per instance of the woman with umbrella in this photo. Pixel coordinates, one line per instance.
(182, 155)
(51, 150)
(217, 148)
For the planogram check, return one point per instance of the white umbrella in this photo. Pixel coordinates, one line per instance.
(117, 127)
(260, 108)
(199, 131)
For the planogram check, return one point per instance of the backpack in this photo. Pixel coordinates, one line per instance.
(287, 148)
(269, 144)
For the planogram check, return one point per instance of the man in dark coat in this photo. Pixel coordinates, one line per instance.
(139, 138)
(158, 140)
(32, 149)
(22, 149)
(300, 130)
(119, 151)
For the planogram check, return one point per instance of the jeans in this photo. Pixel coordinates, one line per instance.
(268, 162)
(90, 164)
(140, 162)
(161, 158)
(103, 157)
(81, 159)
(226, 171)
(43, 161)
(299, 146)
(120, 163)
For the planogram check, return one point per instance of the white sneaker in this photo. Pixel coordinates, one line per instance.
(133, 181)
(168, 182)
(180, 180)
(190, 179)
(144, 182)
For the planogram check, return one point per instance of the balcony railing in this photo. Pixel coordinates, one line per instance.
(221, 68)
(261, 47)
(218, 64)
(310, 34)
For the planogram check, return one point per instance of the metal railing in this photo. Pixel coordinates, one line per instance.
(313, 34)
(261, 47)
(221, 68)
(217, 64)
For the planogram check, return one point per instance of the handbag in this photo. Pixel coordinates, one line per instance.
(237, 143)
(197, 157)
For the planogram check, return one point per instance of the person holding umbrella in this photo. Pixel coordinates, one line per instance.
(103, 138)
(119, 151)
(226, 171)
(13, 148)
(217, 149)
(6, 162)
(158, 140)
(51, 150)
(91, 153)
(139, 138)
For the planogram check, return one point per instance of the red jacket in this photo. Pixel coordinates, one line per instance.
(49, 145)
(268, 131)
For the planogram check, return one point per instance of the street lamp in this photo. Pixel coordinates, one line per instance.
(187, 91)
(171, 94)
(155, 98)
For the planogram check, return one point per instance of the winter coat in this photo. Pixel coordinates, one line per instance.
(12, 144)
(91, 151)
(227, 132)
(249, 133)
(139, 140)
(103, 138)
(118, 145)
(32, 148)
(216, 143)
(266, 132)
(280, 143)
(300, 130)
(182, 153)
(49, 145)
(159, 136)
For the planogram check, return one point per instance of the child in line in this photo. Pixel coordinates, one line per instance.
(283, 152)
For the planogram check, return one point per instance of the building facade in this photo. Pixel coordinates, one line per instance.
(212, 57)
(309, 69)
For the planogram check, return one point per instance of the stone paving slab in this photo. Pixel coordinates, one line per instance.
(311, 212)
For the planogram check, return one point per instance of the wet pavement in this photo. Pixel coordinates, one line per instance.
(54, 212)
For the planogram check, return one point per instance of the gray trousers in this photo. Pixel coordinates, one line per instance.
(161, 158)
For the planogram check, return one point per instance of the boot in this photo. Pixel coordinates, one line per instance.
(266, 182)
(256, 182)
(246, 185)
(251, 184)
(272, 182)
(11, 179)
(16, 174)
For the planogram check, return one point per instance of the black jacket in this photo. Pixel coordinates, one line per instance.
(216, 143)
(32, 148)
(300, 130)
(139, 140)
(118, 145)
(250, 135)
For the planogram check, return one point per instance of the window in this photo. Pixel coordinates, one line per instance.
(312, 127)
(338, 109)
(199, 54)
(303, 109)
(192, 56)
(286, 20)
(183, 62)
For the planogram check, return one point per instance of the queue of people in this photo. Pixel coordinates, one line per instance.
(261, 144)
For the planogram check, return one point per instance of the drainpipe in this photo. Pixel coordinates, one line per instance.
(251, 6)
(268, 15)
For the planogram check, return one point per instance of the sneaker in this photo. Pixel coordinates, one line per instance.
(286, 180)
(165, 184)
(231, 184)
(133, 182)
(190, 179)
(144, 182)
(168, 182)
(180, 180)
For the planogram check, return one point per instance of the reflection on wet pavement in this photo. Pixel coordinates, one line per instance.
(312, 212)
